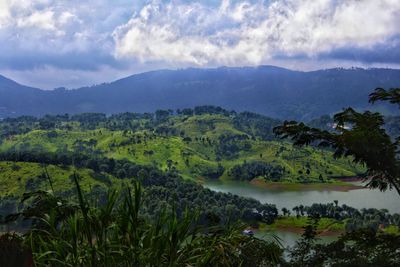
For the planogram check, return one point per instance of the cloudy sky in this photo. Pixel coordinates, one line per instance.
(53, 43)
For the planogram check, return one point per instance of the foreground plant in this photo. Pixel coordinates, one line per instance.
(359, 135)
(115, 234)
(363, 247)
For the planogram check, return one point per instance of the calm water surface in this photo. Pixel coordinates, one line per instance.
(358, 198)
(288, 239)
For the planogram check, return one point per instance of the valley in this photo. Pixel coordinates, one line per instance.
(208, 146)
(222, 133)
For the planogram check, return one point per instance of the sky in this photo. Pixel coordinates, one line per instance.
(72, 43)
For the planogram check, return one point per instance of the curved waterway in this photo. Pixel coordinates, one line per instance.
(307, 195)
(287, 197)
(287, 238)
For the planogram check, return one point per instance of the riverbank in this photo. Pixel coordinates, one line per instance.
(291, 195)
(326, 226)
(334, 185)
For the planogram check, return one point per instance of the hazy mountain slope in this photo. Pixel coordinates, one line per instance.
(16, 99)
(268, 90)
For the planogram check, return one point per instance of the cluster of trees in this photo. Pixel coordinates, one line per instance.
(210, 171)
(116, 233)
(217, 206)
(363, 247)
(207, 109)
(359, 135)
(229, 145)
(256, 125)
(355, 218)
(253, 169)
(251, 123)
(160, 186)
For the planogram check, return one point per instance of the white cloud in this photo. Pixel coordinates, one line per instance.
(50, 32)
(93, 36)
(318, 26)
(191, 33)
(4, 13)
(40, 19)
(251, 33)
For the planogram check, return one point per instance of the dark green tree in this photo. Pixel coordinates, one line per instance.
(359, 135)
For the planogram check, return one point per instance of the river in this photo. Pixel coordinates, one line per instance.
(357, 198)
(281, 197)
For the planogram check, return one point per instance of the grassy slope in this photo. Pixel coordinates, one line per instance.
(14, 177)
(197, 153)
(292, 222)
(325, 226)
(392, 229)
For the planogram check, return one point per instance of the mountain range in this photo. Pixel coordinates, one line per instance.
(269, 90)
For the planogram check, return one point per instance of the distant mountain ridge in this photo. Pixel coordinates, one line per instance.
(272, 91)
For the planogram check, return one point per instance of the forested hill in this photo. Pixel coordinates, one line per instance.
(273, 91)
(205, 142)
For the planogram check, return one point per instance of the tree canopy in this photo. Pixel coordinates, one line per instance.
(360, 135)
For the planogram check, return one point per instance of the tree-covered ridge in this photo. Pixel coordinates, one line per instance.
(268, 90)
(204, 142)
(161, 189)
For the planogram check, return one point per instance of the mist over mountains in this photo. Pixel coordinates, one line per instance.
(269, 90)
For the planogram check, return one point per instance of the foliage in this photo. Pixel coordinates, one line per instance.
(359, 248)
(116, 234)
(303, 248)
(160, 188)
(206, 145)
(354, 219)
(360, 135)
(253, 169)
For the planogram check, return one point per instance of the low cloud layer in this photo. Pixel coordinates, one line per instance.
(89, 36)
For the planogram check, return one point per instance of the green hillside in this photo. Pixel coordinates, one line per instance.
(19, 177)
(210, 144)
